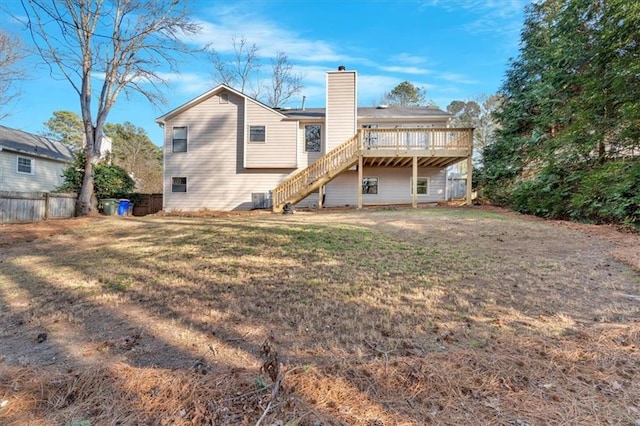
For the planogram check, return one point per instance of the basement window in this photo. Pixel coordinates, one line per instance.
(178, 184)
(370, 185)
(423, 186)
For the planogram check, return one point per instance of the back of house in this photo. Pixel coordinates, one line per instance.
(227, 151)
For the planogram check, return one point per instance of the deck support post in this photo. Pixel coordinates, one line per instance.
(360, 166)
(469, 179)
(320, 193)
(414, 183)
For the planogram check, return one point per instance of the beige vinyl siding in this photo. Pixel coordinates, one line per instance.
(213, 163)
(341, 108)
(279, 149)
(393, 187)
(47, 174)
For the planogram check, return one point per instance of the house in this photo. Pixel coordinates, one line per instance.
(226, 151)
(31, 163)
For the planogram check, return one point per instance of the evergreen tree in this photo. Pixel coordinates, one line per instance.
(572, 107)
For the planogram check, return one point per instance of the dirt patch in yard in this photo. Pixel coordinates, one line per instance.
(387, 316)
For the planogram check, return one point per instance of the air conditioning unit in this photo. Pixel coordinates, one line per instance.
(261, 200)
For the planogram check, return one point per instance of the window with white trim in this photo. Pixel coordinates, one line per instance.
(423, 186)
(312, 138)
(178, 184)
(370, 185)
(257, 134)
(179, 142)
(25, 165)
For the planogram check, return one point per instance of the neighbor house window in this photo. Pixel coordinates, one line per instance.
(370, 185)
(257, 134)
(25, 165)
(179, 184)
(312, 138)
(423, 186)
(180, 139)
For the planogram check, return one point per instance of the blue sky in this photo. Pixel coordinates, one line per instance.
(455, 49)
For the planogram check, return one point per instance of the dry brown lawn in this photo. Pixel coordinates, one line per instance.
(378, 317)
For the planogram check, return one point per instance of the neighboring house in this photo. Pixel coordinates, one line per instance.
(226, 151)
(31, 163)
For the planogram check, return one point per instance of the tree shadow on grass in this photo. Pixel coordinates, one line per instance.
(356, 327)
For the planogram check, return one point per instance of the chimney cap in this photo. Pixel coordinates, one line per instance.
(341, 68)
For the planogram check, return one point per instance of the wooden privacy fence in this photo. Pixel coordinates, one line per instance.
(147, 204)
(18, 207)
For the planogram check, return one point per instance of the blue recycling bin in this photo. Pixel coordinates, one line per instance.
(123, 207)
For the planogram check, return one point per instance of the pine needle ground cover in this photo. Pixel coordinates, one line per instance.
(375, 317)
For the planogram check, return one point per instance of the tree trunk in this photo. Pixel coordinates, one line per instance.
(84, 206)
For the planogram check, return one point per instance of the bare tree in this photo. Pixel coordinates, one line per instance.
(120, 42)
(11, 71)
(284, 83)
(237, 72)
(477, 113)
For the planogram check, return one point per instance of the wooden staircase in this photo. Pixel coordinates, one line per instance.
(319, 173)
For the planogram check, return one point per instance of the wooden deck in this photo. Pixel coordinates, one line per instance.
(402, 147)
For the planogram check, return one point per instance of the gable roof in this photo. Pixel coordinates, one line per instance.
(220, 88)
(34, 145)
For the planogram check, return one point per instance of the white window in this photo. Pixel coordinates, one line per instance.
(179, 143)
(423, 186)
(370, 185)
(25, 165)
(257, 134)
(312, 138)
(178, 184)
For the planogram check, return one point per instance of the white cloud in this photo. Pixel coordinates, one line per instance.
(191, 84)
(409, 59)
(406, 70)
(489, 16)
(455, 78)
(266, 35)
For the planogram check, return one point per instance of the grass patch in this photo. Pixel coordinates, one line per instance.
(377, 317)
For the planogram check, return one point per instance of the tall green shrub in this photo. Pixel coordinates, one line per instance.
(109, 181)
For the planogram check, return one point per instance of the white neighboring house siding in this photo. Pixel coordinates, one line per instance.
(46, 176)
(341, 109)
(394, 187)
(213, 163)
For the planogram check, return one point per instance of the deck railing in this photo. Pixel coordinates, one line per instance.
(416, 139)
(368, 142)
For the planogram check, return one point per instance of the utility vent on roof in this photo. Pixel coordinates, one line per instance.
(261, 200)
(383, 106)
